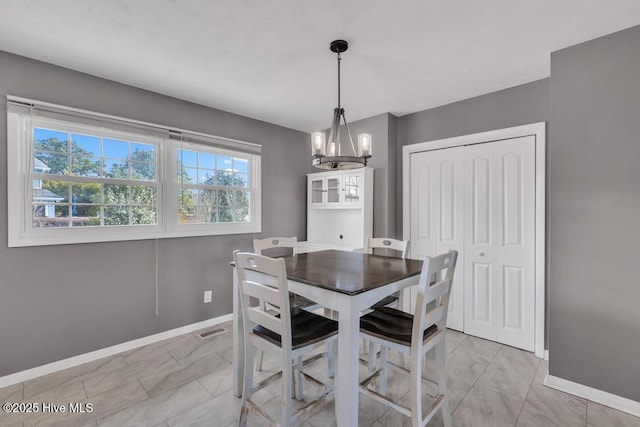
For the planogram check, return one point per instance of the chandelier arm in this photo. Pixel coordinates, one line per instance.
(353, 147)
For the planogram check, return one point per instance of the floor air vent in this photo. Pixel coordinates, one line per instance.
(211, 332)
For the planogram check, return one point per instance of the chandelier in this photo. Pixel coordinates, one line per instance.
(329, 155)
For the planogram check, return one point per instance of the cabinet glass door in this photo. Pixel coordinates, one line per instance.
(316, 191)
(352, 189)
(333, 190)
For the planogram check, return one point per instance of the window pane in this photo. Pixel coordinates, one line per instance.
(116, 169)
(56, 164)
(116, 215)
(50, 208)
(225, 198)
(241, 165)
(85, 145)
(50, 215)
(187, 215)
(85, 215)
(50, 140)
(225, 179)
(86, 193)
(143, 215)
(242, 206)
(144, 171)
(85, 166)
(142, 152)
(207, 177)
(242, 215)
(206, 161)
(116, 194)
(52, 191)
(224, 163)
(207, 215)
(143, 195)
(187, 196)
(208, 198)
(115, 149)
(189, 175)
(240, 180)
(187, 158)
(225, 214)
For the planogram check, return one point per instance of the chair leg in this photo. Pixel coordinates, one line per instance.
(372, 357)
(247, 385)
(287, 389)
(332, 356)
(383, 370)
(401, 359)
(299, 378)
(415, 389)
(441, 379)
(260, 360)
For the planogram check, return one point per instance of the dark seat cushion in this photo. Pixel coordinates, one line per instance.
(296, 301)
(391, 324)
(306, 328)
(387, 300)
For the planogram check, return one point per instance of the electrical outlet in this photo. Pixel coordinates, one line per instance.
(207, 296)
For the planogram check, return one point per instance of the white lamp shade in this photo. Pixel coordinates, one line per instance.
(364, 145)
(333, 149)
(317, 144)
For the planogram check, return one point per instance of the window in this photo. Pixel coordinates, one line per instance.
(212, 187)
(100, 178)
(90, 180)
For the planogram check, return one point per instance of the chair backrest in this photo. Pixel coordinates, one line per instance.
(434, 287)
(264, 278)
(261, 245)
(372, 243)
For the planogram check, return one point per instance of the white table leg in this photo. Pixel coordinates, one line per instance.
(238, 341)
(347, 375)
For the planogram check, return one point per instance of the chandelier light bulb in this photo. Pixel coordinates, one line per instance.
(364, 145)
(317, 144)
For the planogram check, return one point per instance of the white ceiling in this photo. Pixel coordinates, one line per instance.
(270, 59)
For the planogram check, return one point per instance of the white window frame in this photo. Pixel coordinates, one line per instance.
(175, 229)
(19, 195)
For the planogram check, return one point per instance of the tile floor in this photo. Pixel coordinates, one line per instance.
(186, 381)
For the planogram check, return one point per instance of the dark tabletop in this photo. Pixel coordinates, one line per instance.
(349, 272)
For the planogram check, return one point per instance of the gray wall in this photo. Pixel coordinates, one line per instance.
(61, 301)
(594, 203)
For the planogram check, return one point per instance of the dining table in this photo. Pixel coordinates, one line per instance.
(347, 283)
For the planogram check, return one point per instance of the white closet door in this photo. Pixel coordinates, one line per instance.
(437, 216)
(499, 241)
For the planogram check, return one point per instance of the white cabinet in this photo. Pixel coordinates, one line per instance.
(340, 208)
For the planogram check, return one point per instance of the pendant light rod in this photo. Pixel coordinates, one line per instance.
(339, 59)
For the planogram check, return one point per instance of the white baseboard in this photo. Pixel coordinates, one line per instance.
(49, 368)
(593, 394)
(546, 355)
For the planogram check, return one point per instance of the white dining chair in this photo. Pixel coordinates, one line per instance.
(277, 247)
(399, 247)
(286, 335)
(415, 335)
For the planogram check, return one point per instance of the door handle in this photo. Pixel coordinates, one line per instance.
(481, 253)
